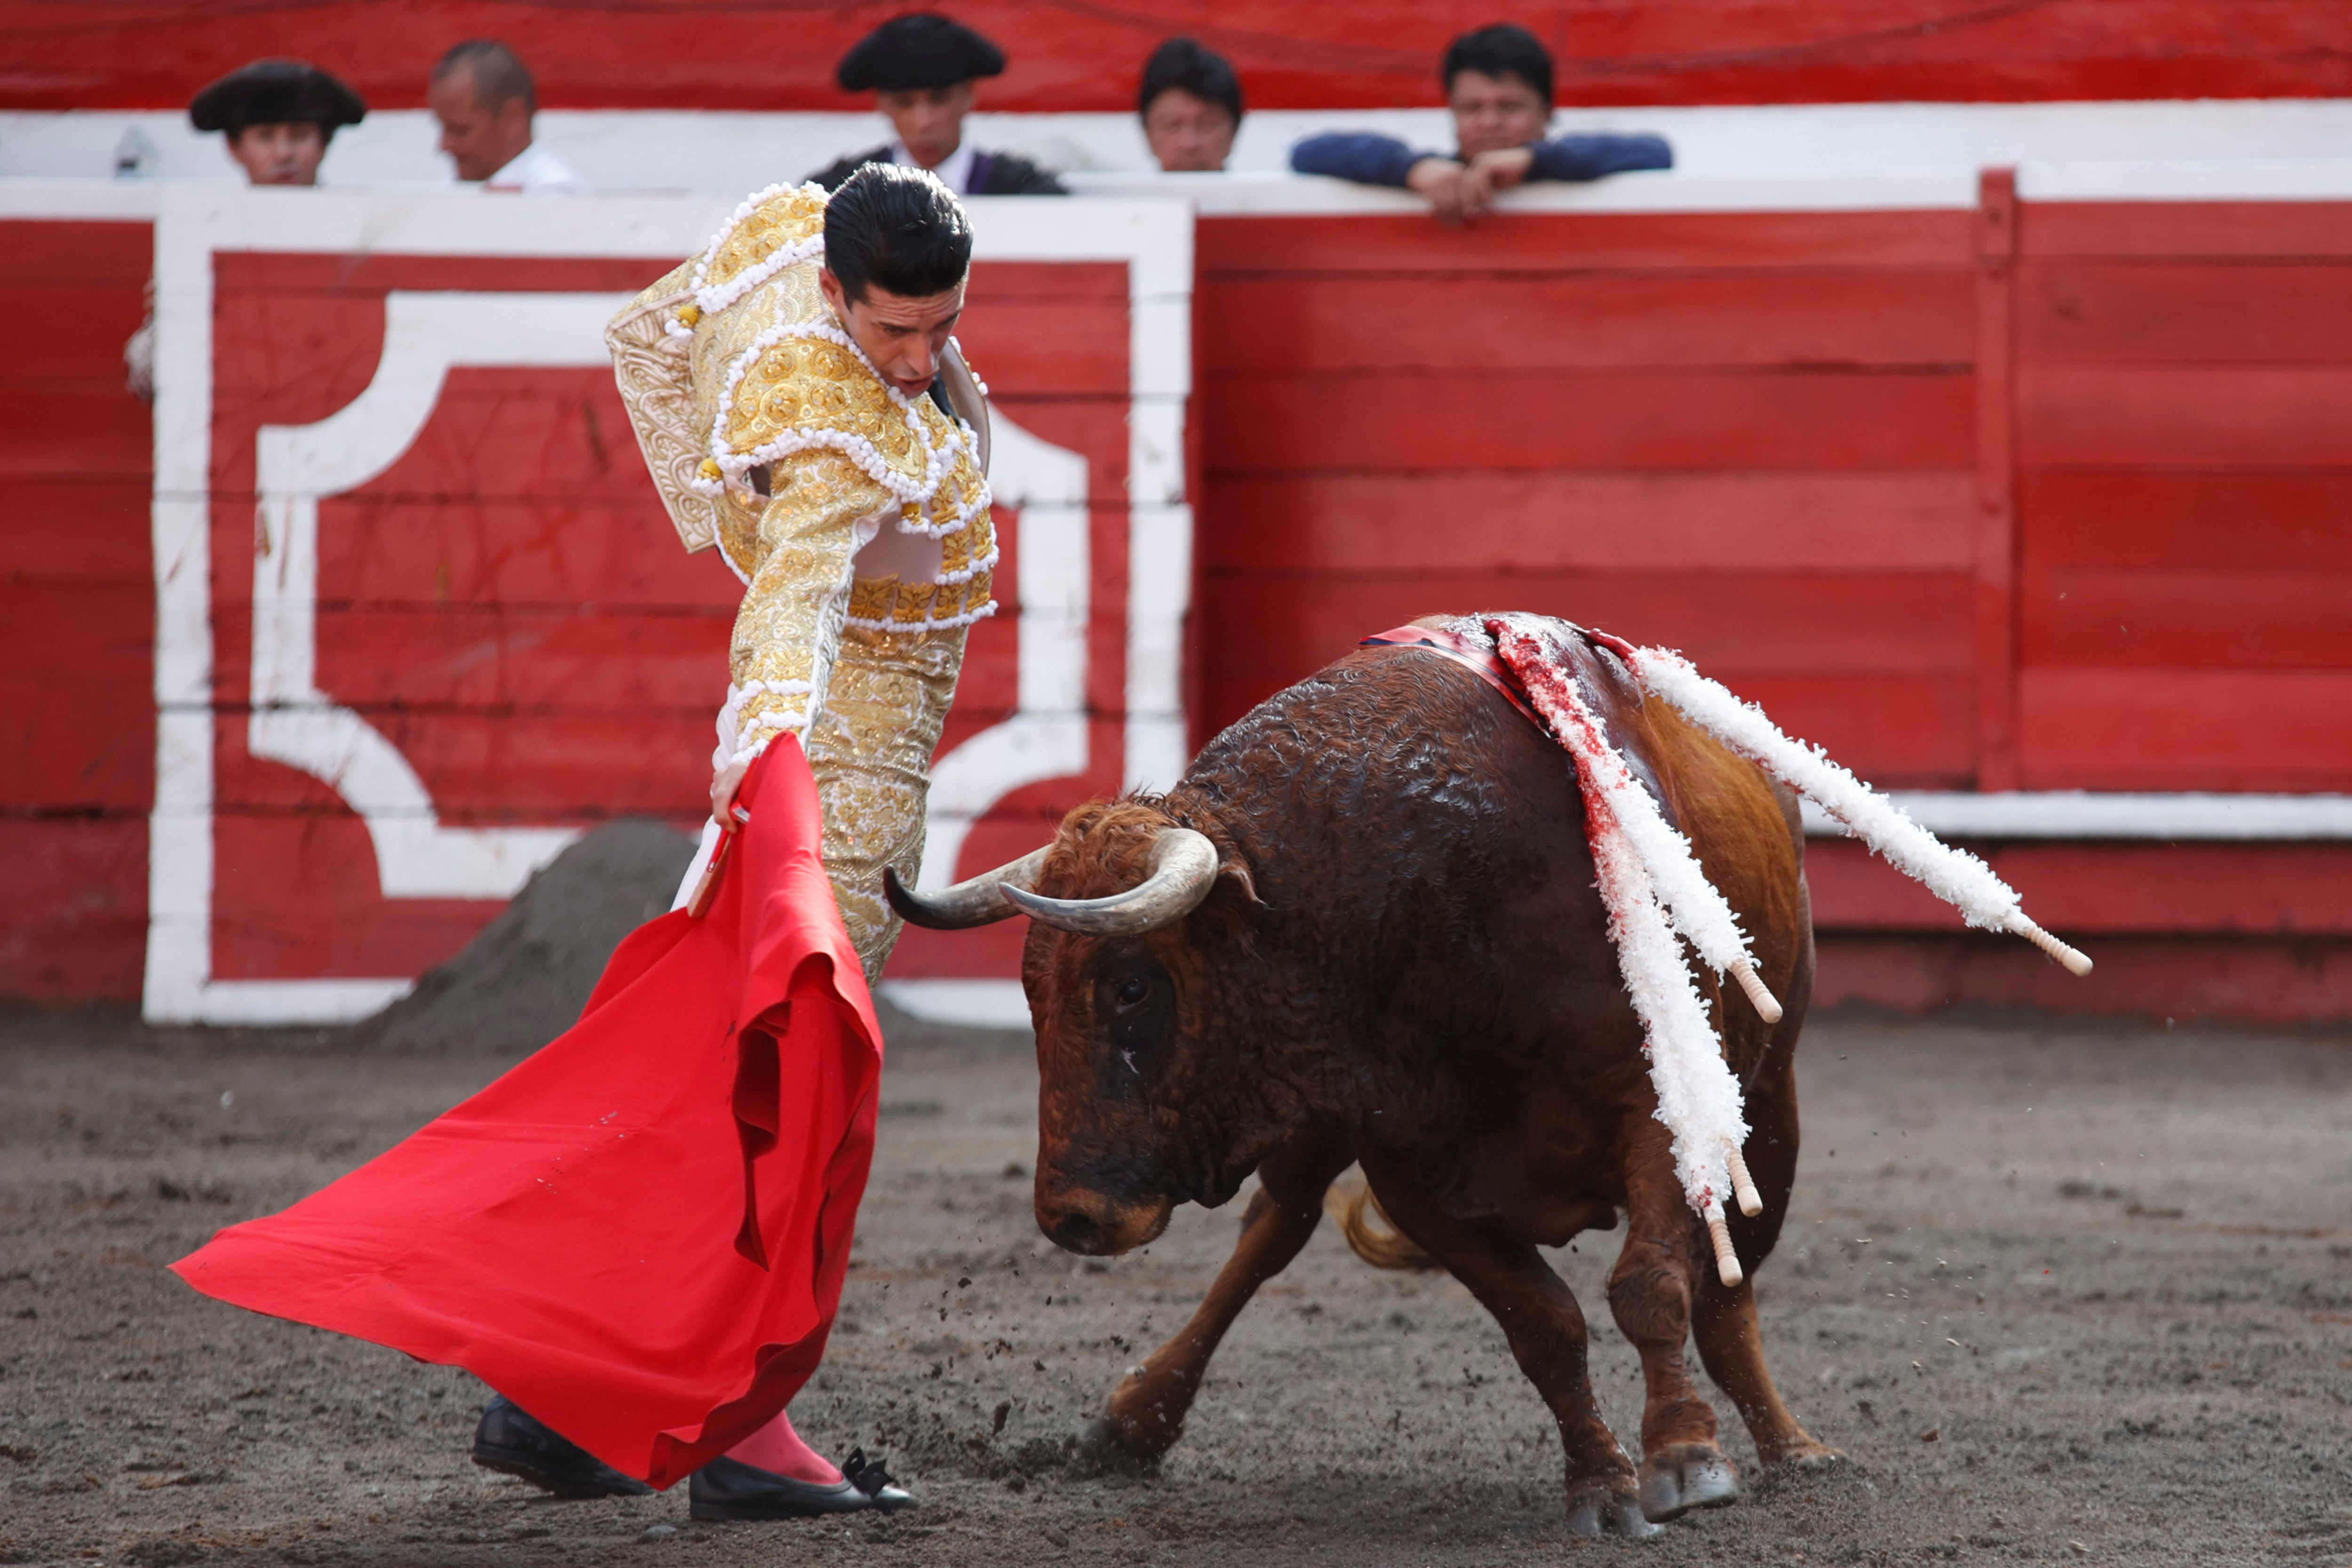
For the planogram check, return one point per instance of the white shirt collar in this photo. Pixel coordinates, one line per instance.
(535, 169)
(955, 173)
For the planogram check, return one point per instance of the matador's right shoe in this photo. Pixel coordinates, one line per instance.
(729, 1488)
(510, 1440)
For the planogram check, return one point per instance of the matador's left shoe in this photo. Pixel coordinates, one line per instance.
(510, 1439)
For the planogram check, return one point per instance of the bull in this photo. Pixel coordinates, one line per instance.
(1363, 929)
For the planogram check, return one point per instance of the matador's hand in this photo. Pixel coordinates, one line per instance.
(723, 785)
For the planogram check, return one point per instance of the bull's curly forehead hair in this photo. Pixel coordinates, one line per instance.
(1106, 845)
(897, 229)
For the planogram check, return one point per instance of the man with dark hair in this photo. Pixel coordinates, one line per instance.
(1191, 102)
(1499, 84)
(920, 68)
(483, 95)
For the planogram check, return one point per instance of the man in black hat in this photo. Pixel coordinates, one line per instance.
(920, 68)
(279, 116)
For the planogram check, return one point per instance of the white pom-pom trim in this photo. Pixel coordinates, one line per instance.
(1699, 1099)
(1954, 875)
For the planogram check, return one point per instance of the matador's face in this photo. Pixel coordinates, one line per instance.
(904, 334)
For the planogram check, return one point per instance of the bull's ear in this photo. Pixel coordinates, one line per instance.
(1233, 868)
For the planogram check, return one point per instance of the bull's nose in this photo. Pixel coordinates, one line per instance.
(1078, 1232)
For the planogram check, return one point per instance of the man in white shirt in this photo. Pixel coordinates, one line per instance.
(482, 94)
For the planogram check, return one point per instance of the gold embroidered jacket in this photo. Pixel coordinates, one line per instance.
(771, 436)
(858, 521)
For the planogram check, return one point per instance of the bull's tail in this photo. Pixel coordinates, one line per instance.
(1370, 1232)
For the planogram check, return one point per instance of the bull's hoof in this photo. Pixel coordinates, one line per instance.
(1106, 1447)
(1600, 1512)
(1685, 1476)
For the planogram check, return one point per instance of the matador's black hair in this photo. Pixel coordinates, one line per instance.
(897, 229)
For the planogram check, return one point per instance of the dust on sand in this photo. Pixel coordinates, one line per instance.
(2063, 1292)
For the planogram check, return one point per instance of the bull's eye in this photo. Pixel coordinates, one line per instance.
(1132, 991)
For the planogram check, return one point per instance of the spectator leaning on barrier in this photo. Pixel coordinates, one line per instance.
(920, 68)
(1498, 85)
(1191, 102)
(279, 116)
(482, 94)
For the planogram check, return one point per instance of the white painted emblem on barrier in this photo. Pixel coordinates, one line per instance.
(429, 333)
(425, 335)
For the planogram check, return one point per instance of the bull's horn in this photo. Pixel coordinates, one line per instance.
(973, 902)
(1183, 870)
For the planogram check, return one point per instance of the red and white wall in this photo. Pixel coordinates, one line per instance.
(2024, 496)
(412, 617)
(2027, 496)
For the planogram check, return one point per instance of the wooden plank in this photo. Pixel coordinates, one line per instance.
(2165, 417)
(68, 330)
(1067, 348)
(1699, 521)
(365, 276)
(1996, 529)
(69, 527)
(2272, 231)
(610, 548)
(1518, 243)
(2198, 618)
(2184, 729)
(2260, 890)
(1896, 731)
(2284, 981)
(1889, 622)
(1065, 281)
(2220, 520)
(1900, 732)
(2200, 312)
(116, 256)
(1589, 321)
(69, 54)
(485, 767)
(552, 660)
(298, 896)
(77, 687)
(1391, 421)
(74, 925)
(72, 429)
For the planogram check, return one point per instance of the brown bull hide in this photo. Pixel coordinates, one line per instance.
(1407, 967)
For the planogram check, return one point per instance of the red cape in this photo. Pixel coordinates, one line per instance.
(640, 1234)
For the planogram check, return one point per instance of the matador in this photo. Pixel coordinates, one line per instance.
(639, 1234)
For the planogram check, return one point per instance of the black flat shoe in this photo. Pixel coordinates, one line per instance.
(868, 1476)
(510, 1441)
(729, 1489)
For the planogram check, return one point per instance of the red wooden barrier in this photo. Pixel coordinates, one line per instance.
(712, 54)
(2044, 496)
(77, 613)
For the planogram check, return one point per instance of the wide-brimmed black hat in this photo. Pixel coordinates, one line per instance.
(276, 93)
(918, 50)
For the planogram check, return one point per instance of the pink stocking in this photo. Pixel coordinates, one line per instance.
(777, 1448)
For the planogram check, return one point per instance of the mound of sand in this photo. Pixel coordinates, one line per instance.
(523, 980)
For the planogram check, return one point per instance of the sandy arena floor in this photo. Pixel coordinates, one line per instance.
(2066, 1293)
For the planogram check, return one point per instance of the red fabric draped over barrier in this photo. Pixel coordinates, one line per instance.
(640, 1234)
